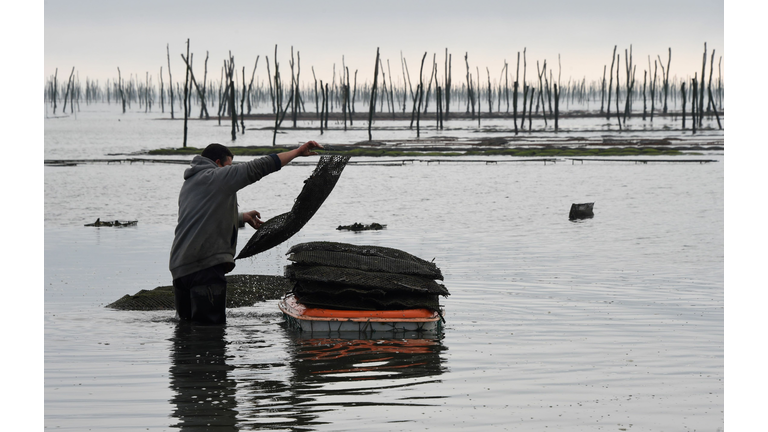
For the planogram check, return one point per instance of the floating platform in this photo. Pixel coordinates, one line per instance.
(317, 320)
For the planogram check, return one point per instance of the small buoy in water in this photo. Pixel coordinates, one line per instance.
(581, 211)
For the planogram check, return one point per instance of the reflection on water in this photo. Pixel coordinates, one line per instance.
(324, 361)
(327, 376)
(205, 395)
(323, 375)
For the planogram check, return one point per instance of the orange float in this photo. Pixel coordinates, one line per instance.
(334, 320)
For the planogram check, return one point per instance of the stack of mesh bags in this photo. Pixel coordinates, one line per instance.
(352, 277)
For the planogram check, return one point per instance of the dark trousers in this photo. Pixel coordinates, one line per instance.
(201, 297)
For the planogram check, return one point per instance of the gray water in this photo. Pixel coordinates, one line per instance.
(611, 323)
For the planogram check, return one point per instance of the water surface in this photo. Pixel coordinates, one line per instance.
(610, 323)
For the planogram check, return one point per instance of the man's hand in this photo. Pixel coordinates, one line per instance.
(302, 150)
(252, 219)
(306, 148)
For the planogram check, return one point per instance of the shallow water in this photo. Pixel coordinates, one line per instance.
(610, 323)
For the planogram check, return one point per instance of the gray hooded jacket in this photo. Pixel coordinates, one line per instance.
(206, 233)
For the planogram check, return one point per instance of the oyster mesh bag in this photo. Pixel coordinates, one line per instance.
(282, 227)
(390, 282)
(330, 296)
(365, 262)
(374, 251)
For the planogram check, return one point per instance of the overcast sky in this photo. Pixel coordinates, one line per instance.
(96, 37)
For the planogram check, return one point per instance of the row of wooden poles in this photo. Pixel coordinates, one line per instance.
(697, 95)
(342, 93)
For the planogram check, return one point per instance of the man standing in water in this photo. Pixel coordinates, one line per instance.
(204, 245)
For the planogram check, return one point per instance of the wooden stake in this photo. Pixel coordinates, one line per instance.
(447, 84)
(429, 86)
(242, 104)
(326, 105)
(354, 92)
(322, 111)
(120, 86)
(682, 92)
(162, 96)
(610, 84)
(557, 105)
(372, 105)
(346, 97)
(294, 85)
(420, 92)
(653, 86)
(717, 116)
(618, 114)
(479, 105)
(470, 93)
(710, 101)
(317, 108)
(490, 105)
(645, 104)
(170, 79)
(665, 76)
(186, 101)
(515, 92)
(701, 90)
(506, 83)
(391, 90)
(269, 80)
(55, 89)
(250, 84)
(69, 86)
(694, 88)
(602, 98)
(530, 108)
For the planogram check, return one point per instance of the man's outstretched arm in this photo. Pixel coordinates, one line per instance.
(303, 150)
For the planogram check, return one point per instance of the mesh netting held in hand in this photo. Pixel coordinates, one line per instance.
(316, 189)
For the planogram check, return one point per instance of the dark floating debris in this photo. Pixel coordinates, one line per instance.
(581, 211)
(361, 227)
(116, 223)
(351, 277)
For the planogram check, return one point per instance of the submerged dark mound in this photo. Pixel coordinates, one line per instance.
(242, 290)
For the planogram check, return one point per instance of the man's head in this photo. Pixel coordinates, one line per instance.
(219, 154)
